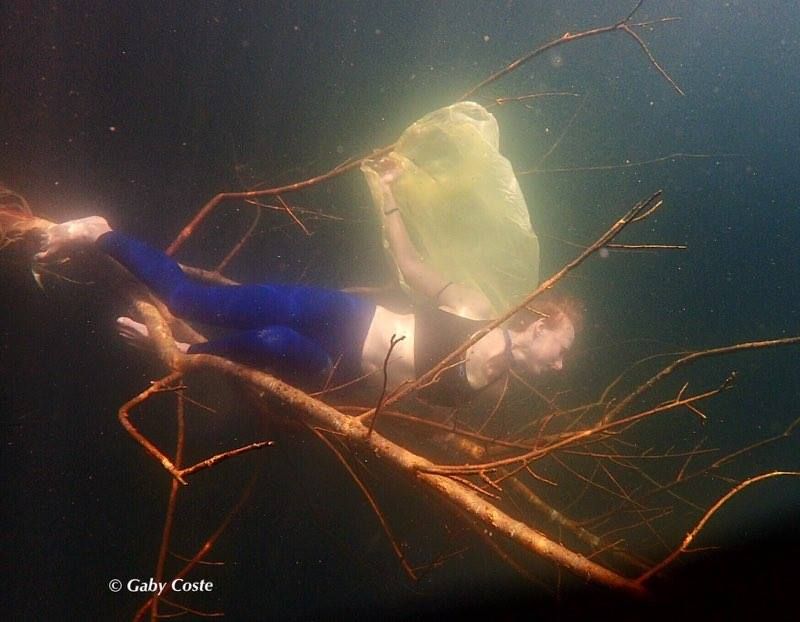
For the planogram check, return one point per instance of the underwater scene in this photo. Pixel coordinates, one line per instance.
(400, 310)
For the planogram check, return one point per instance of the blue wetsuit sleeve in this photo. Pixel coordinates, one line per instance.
(276, 349)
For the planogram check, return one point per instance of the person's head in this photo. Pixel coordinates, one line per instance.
(544, 331)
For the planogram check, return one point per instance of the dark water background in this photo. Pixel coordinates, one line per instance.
(143, 112)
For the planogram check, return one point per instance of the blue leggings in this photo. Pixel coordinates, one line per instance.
(295, 332)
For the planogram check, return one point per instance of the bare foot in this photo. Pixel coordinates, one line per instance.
(60, 238)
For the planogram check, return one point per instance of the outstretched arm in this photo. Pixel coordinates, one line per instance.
(453, 297)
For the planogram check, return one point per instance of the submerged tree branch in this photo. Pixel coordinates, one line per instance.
(318, 414)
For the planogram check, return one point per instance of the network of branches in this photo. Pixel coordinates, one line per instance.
(537, 473)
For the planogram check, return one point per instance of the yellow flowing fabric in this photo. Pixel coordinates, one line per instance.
(462, 205)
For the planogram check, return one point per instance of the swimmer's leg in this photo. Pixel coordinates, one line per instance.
(336, 321)
(156, 270)
(276, 349)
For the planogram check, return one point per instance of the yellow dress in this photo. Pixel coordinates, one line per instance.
(462, 205)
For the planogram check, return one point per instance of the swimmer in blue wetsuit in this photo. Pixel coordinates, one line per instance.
(298, 332)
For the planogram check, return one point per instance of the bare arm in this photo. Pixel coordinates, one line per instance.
(453, 297)
(419, 276)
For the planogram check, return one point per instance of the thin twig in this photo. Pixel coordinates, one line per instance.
(371, 500)
(392, 343)
(207, 546)
(571, 439)
(225, 455)
(706, 517)
(690, 358)
(240, 244)
(627, 164)
(124, 418)
(291, 213)
(169, 519)
(567, 37)
(501, 101)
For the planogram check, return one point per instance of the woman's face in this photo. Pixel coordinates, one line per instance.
(546, 346)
